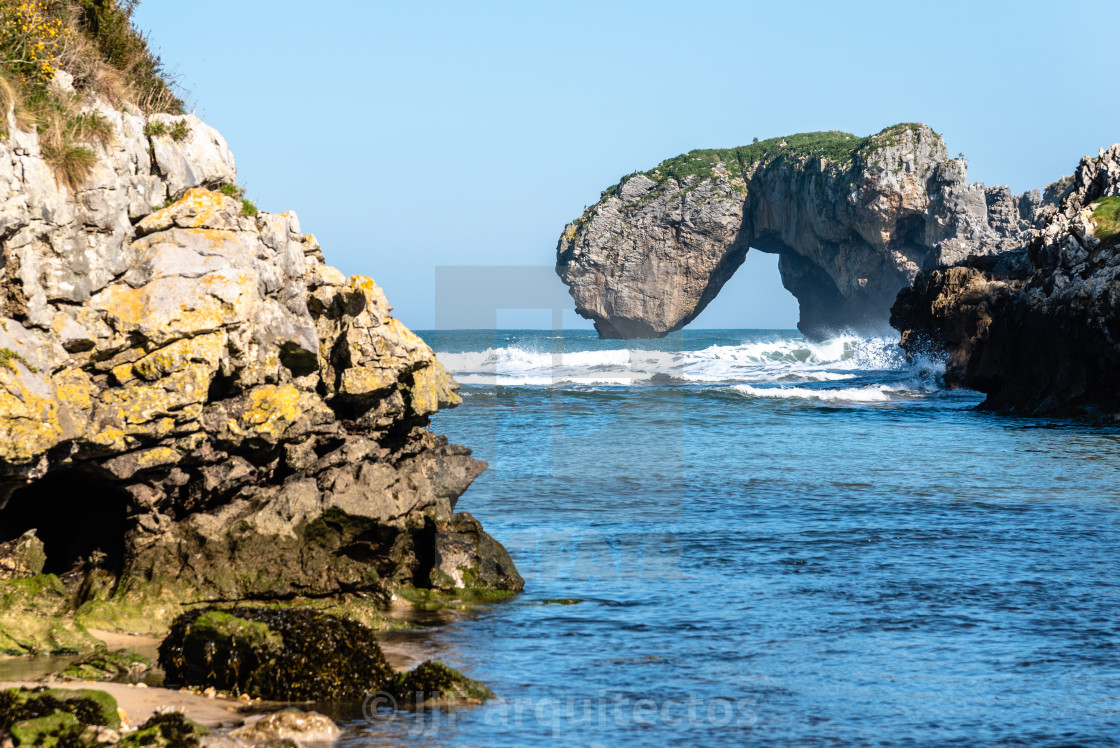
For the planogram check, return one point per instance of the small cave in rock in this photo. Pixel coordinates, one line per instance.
(81, 519)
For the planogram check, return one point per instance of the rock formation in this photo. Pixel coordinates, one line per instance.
(195, 406)
(853, 220)
(1037, 329)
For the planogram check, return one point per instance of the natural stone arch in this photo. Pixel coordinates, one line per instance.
(853, 219)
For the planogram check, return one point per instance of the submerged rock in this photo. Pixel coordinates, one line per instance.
(1037, 330)
(853, 220)
(274, 654)
(432, 684)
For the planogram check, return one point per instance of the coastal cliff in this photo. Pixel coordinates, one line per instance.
(195, 406)
(852, 219)
(1036, 328)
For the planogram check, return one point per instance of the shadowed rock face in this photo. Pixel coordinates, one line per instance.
(1037, 329)
(192, 400)
(853, 220)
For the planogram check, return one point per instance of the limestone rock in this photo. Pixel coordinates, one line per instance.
(22, 558)
(1038, 329)
(193, 403)
(853, 220)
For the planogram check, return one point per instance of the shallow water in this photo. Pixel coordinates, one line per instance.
(775, 543)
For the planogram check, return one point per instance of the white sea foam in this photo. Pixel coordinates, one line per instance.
(874, 394)
(788, 360)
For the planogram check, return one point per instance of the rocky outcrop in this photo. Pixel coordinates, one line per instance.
(194, 405)
(1037, 329)
(852, 219)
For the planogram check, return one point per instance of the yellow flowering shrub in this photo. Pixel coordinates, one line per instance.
(32, 33)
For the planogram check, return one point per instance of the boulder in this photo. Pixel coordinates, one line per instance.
(434, 685)
(288, 725)
(275, 654)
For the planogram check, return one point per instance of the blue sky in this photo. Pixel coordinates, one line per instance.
(414, 135)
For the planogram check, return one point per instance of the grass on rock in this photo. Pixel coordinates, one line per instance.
(1106, 220)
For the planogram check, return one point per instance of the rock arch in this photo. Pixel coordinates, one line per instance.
(853, 220)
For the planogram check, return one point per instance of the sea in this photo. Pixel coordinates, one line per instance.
(740, 537)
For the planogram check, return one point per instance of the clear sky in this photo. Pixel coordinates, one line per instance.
(414, 135)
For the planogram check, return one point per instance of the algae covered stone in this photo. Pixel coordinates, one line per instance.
(105, 666)
(169, 730)
(49, 717)
(275, 653)
(36, 618)
(433, 684)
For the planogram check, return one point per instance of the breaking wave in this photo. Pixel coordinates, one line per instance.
(781, 366)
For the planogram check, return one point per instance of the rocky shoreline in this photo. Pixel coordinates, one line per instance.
(1018, 294)
(195, 409)
(1037, 329)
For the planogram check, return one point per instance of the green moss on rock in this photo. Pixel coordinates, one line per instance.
(53, 717)
(106, 666)
(275, 653)
(171, 730)
(432, 683)
(36, 617)
(426, 599)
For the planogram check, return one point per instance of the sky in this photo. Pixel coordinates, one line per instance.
(410, 137)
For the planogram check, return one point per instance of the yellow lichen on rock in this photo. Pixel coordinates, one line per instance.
(271, 410)
(28, 420)
(136, 404)
(362, 380)
(433, 388)
(204, 349)
(197, 208)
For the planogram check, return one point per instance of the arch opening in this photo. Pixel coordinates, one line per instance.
(80, 518)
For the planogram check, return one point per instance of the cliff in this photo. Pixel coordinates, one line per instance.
(852, 219)
(1037, 328)
(195, 406)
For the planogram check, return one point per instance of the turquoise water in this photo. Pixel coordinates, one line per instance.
(775, 543)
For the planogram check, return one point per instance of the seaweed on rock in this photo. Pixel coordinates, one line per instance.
(275, 653)
(433, 683)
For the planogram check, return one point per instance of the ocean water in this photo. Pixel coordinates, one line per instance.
(741, 538)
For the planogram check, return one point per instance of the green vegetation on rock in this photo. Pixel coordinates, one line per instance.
(274, 653)
(64, 718)
(106, 666)
(432, 683)
(841, 148)
(1106, 220)
(8, 359)
(47, 717)
(36, 617)
(95, 42)
(171, 730)
(426, 599)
